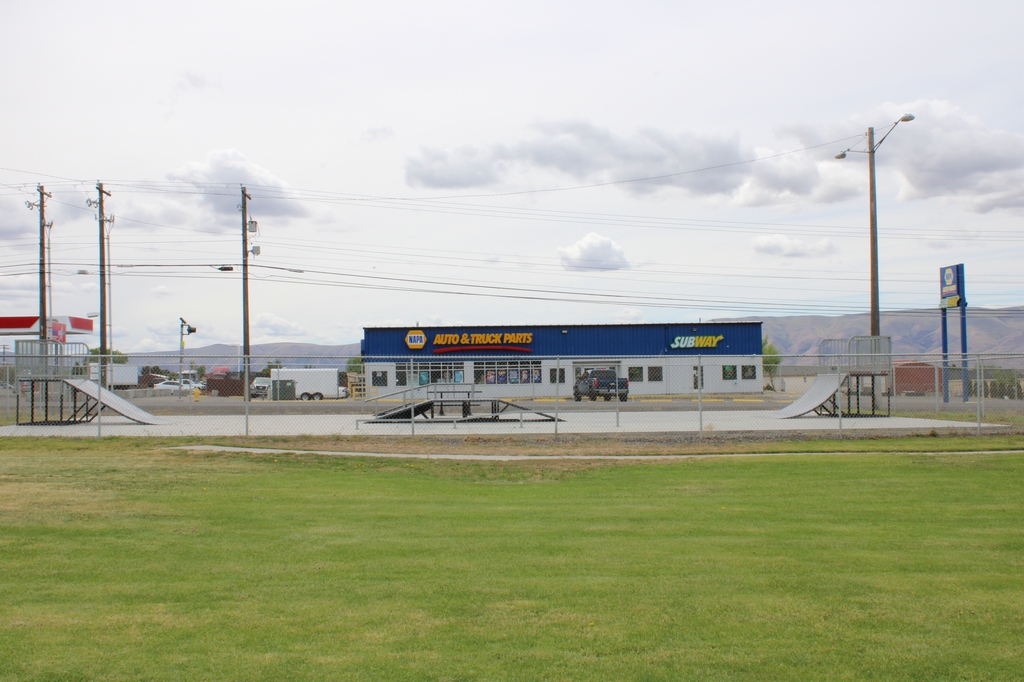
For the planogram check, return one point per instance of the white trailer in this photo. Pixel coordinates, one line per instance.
(313, 384)
(118, 376)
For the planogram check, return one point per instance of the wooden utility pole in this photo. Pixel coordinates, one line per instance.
(103, 272)
(44, 320)
(245, 277)
(873, 207)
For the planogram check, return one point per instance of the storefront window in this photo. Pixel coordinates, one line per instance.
(379, 378)
(654, 373)
(556, 375)
(749, 372)
(636, 374)
(507, 372)
(728, 372)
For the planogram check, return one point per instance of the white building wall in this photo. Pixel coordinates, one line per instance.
(678, 374)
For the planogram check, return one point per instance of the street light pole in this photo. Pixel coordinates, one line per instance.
(873, 208)
(183, 330)
(873, 216)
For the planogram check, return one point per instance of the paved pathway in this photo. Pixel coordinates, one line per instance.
(573, 423)
(519, 458)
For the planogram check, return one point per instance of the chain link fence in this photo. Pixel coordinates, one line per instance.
(694, 395)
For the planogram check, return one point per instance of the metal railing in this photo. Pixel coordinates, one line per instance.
(687, 396)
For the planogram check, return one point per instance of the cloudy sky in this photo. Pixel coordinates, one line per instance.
(506, 163)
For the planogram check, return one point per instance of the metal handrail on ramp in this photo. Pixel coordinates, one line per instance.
(116, 403)
(461, 400)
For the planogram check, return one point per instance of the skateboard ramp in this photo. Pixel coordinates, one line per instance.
(820, 392)
(402, 413)
(114, 402)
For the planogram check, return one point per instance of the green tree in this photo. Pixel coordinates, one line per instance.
(771, 358)
(273, 364)
(355, 365)
(116, 356)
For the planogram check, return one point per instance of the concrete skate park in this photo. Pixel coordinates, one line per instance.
(693, 379)
(711, 415)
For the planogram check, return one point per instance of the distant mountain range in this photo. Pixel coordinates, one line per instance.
(989, 330)
(290, 355)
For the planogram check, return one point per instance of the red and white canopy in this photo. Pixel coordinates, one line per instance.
(28, 325)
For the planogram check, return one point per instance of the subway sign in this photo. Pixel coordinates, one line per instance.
(681, 342)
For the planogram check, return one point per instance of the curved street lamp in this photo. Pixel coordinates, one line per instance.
(872, 147)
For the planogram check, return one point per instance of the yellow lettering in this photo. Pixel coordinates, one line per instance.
(509, 337)
(529, 337)
(438, 341)
(465, 338)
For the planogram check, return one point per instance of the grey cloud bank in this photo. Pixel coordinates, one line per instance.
(944, 153)
(231, 168)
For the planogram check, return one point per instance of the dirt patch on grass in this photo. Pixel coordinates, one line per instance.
(626, 444)
(33, 502)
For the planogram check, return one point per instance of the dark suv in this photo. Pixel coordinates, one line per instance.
(603, 383)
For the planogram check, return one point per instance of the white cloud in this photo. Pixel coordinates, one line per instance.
(377, 134)
(160, 291)
(272, 325)
(628, 316)
(593, 252)
(781, 245)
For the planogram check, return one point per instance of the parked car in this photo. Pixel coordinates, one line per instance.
(185, 385)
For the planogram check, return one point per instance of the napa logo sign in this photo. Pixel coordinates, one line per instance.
(696, 341)
(415, 339)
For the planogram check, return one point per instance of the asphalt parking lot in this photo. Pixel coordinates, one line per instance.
(214, 405)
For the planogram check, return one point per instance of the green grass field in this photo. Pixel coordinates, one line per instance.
(120, 560)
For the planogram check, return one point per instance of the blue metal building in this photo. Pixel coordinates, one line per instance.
(509, 360)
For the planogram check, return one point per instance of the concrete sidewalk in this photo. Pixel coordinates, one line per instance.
(525, 458)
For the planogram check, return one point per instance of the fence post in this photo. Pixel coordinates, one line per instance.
(617, 367)
(558, 392)
(839, 401)
(99, 408)
(980, 391)
(700, 398)
(245, 392)
(936, 389)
